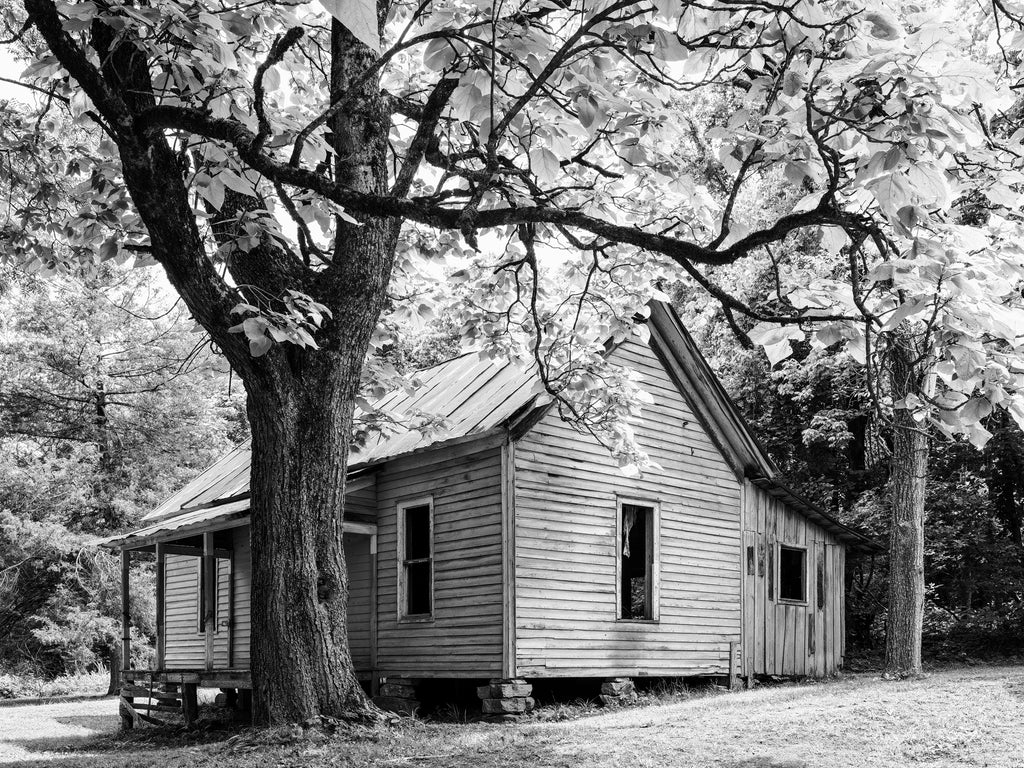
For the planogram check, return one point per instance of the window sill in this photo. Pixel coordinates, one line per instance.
(638, 621)
(425, 618)
(784, 601)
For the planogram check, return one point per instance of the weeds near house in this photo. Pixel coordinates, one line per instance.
(28, 686)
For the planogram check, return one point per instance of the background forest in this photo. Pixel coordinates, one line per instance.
(110, 400)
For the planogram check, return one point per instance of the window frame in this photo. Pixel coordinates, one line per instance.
(778, 574)
(403, 573)
(653, 560)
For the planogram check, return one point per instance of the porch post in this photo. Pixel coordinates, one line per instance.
(209, 595)
(125, 662)
(126, 636)
(161, 610)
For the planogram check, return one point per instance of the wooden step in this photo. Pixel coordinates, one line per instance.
(135, 691)
(150, 720)
(157, 708)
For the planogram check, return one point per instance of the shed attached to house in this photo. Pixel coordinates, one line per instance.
(510, 546)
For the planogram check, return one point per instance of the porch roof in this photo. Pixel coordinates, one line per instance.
(217, 515)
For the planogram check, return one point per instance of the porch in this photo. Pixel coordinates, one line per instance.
(202, 586)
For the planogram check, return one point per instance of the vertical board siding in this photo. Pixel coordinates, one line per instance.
(464, 637)
(791, 639)
(567, 490)
(357, 557)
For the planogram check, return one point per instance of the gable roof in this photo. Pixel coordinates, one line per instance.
(477, 397)
(472, 396)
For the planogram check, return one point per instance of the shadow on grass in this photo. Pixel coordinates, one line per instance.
(106, 747)
(413, 744)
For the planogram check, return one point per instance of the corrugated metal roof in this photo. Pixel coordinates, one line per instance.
(227, 477)
(182, 523)
(815, 514)
(470, 394)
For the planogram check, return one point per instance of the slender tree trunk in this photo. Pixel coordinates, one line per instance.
(102, 480)
(115, 669)
(909, 470)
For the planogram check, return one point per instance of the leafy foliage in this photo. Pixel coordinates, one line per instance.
(108, 402)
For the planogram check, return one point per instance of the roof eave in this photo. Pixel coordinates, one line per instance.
(843, 532)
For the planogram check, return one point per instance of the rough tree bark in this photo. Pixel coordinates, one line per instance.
(908, 478)
(300, 658)
(300, 401)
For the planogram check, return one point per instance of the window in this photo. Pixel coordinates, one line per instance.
(792, 574)
(416, 555)
(638, 562)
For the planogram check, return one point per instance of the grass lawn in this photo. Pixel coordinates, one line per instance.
(963, 717)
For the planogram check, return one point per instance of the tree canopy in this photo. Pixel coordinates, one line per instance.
(300, 170)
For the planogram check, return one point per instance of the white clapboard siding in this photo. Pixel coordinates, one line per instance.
(790, 638)
(567, 490)
(222, 634)
(185, 647)
(464, 637)
(243, 587)
(357, 557)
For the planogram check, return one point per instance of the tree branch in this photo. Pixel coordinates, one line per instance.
(277, 52)
(428, 121)
(201, 123)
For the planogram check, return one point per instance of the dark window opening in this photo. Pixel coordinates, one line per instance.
(636, 562)
(792, 574)
(417, 563)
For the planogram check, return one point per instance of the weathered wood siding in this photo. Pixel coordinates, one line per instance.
(566, 491)
(185, 647)
(787, 638)
(243, 587)
(463, 639)
(357, 557)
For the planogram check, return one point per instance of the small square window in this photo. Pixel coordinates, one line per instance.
(793, 574)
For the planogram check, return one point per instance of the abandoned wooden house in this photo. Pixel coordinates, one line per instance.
(510, 548)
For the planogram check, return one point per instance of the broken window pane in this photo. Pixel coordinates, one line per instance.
(417, 532)
(418, 588)
(636, 562)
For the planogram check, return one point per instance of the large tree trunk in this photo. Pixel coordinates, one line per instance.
(300, 401)
(300, 658)
(909, 470)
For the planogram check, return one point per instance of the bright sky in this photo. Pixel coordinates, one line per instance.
(10, 68)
